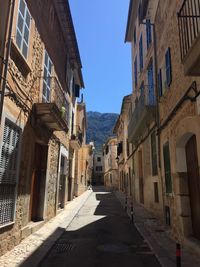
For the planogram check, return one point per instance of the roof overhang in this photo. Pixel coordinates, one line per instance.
(67, 26)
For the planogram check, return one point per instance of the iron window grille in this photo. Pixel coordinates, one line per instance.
(9, 171)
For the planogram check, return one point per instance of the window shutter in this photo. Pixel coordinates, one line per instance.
(141, 53)
(160, 82)
(77, 90)
(135, 71)
(167, 167)
(148, 33)
(8, 171)
(168, 67)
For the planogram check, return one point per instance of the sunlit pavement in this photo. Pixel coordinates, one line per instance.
(101, 234)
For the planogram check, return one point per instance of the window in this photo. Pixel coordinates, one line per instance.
(160, 87)
(167, 168)
(23, 28)
(139, 13)
(99, 159)
(110, 178)
(99, 168)
(135, 71)
(151, 98)
(47, 78)
(134, 36)
(168, 67)
(154, 154)
(141, 53)
(8, 171)
(156, 195)
(148, 33)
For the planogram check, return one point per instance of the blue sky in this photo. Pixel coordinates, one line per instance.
(100, 29)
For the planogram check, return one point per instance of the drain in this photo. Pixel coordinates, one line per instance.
(63, 247)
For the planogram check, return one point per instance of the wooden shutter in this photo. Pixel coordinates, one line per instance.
(148, 33)
(154, 154)
(135, 71)
(168, 67)
(8, 171)
(160, 83)
(167, 168)
(141, 53)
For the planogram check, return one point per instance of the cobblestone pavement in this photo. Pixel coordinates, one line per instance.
(158, 237)
(101, 235)
(32, 249)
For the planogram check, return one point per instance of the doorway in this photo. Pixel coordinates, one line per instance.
(193, 183)
(38, 181)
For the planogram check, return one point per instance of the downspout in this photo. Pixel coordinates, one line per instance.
(8, 45)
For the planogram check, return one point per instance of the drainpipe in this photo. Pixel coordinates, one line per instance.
(8, 46)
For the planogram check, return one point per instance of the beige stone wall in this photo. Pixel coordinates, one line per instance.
(183, 124)
(25, 83)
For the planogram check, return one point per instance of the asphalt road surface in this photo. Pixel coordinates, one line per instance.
(100, 235)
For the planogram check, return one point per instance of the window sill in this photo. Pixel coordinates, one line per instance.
(7, 225)
(20, 61)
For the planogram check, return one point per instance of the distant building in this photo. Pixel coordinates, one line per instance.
(98, 170)
(111, 179)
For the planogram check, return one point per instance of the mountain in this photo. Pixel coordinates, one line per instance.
(100, 127)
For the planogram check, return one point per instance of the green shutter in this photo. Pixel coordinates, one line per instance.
(167, 167)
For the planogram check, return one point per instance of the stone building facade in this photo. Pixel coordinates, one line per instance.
(98, 170)
(123, 147)
(142, 126)
(111, 178)
(43, 80)
(167, 154)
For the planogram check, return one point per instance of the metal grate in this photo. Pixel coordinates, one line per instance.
(8, 171)
(63, 247)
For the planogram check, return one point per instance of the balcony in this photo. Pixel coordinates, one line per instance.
(76, 139)
(189, 33)
(143, 115)
(53, 110)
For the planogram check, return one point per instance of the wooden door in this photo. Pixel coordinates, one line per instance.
(38, 183)
(141, 183)
(194, 184)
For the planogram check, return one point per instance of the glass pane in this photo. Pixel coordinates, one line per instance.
(18, 39)
(48, 94)
(22, 7)
(44, 89)
(26, 34)
(46, 59)
(20, 23)
(25, 50)
(28, 18)
(49, 82)
(45, 73)
(50, 66)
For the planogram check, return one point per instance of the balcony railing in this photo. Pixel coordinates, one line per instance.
(143, 115)
(53, 110)
(189, 25)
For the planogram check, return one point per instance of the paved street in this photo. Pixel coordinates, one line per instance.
(100, 235)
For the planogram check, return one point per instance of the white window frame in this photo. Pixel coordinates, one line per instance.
(25, 26)
(47, 67)
(13, 121)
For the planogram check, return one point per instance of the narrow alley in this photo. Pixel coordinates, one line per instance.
(100, 235)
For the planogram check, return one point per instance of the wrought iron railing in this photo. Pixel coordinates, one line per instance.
(146, 99)
(58, 96)
(189, 25)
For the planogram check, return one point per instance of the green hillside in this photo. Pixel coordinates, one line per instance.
(100, 127)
